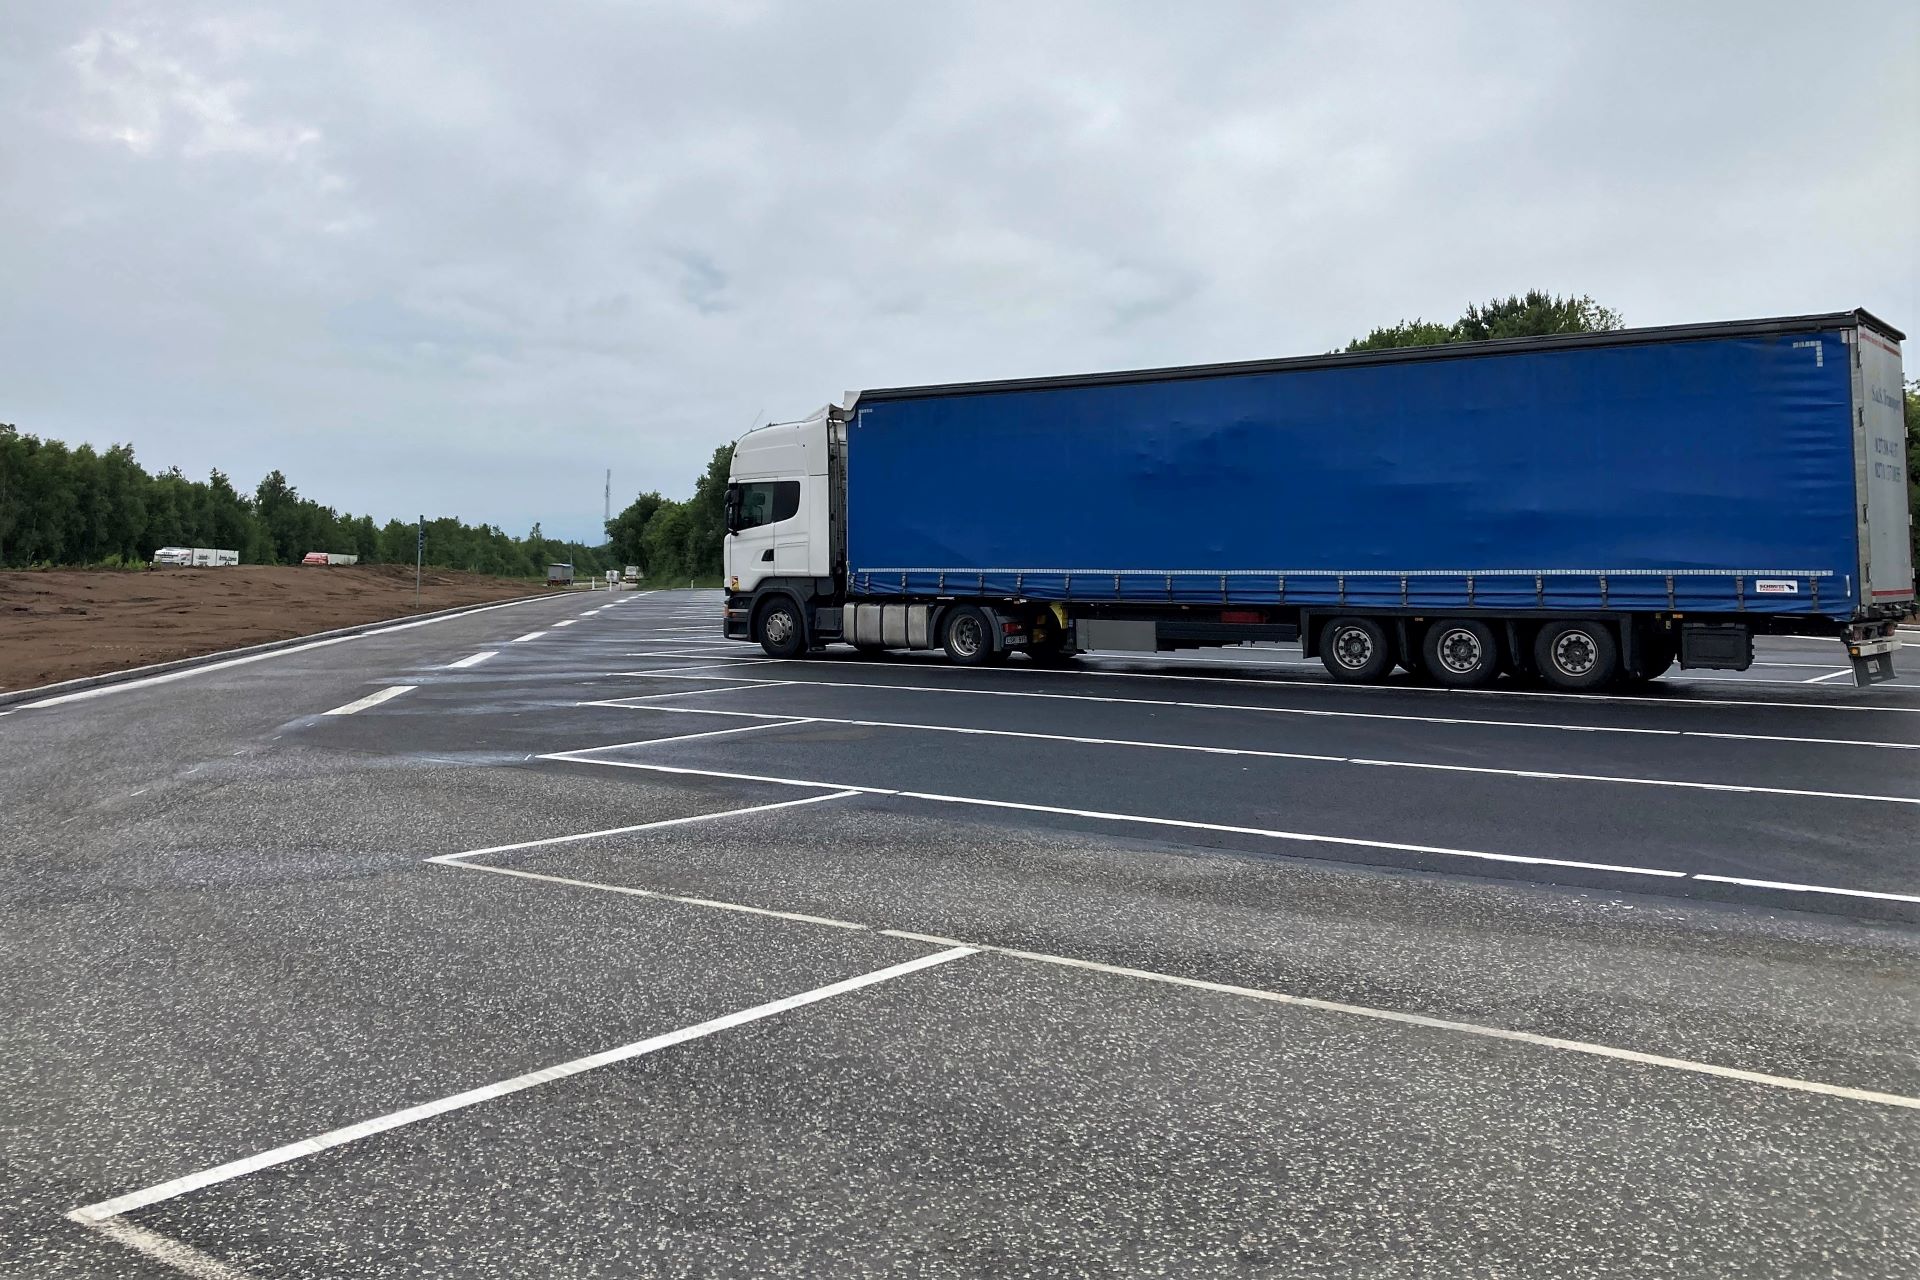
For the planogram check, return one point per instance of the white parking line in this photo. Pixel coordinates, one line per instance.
(1301, 837)
(1809, 888)
(1447, 1024)
(1284, 685)
(147, 682)
(1321, 713)
(473, 659)
(531, 635)
(1455, 1026)
(146, 1196)
(167, 1251)
(1541, 775)
(569, 622)
(372, 699)
(1831, 675)
(655, 825)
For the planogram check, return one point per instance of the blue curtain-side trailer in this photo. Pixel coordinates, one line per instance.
(1580, 510)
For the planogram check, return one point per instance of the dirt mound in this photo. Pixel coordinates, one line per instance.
(66, 623)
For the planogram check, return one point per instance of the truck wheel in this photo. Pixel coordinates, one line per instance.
(779, 628)
(1461, 653)
(1355, 649)
(967, 637)
(1576, 655)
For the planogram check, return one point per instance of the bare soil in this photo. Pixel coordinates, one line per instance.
(61, 624)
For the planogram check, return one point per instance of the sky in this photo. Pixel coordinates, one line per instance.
(462, 259)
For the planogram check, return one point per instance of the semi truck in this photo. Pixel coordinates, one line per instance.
(329, 558)
(1579, 510)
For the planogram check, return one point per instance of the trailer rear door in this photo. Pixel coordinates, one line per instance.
(1881, 442)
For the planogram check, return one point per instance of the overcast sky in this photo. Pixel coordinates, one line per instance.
(460, 258)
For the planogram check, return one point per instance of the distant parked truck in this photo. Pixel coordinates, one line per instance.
(559, 575)
(632, 574)
(328, 557)
(195, 557)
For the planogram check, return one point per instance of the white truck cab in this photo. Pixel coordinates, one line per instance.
(779, 501)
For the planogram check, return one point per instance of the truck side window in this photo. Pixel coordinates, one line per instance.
(768, 502)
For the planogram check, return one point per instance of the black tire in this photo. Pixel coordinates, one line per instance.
(1576, 655)
(1461, 653)
(780, 629)
(1355, 649)
(966, 634)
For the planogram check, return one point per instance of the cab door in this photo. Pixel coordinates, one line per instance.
(765, 533)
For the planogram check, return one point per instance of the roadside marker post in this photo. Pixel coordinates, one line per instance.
(419, 555)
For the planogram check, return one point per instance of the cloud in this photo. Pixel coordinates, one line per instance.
(132, 93)
(464, 259)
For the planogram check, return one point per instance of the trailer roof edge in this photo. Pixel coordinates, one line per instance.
(1402, 355)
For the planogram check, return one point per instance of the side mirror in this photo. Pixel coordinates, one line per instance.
(733, 508)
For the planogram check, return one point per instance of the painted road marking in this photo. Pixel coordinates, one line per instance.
(473, 659)
(1099, 815)
(531, 635)
(569, 622)
(1447, 1024)
(167, 1251)
(642, 826)
(1543, 775)
(1306, 712)
(1255, 993)
(797, 916)
(579, 757)
(1831, 675)
(1788, 887)
(146, 1196)
(1328, 686)
(170, 676)
(372, 699)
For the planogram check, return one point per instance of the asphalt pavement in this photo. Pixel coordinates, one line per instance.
(568, 938)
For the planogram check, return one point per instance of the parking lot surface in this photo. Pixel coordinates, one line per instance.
(568, 938)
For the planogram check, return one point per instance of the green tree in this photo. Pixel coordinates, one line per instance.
(707, 516)
(1535, 314)
(626, 532)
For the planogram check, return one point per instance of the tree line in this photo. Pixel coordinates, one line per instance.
(82, 506)
(676, 541)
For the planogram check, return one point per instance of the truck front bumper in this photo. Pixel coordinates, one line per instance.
(737, 620)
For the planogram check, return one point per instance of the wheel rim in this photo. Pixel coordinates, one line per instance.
(779, 626)
(1461, 652)
(1575, 653)
(1352, 648)
(964, 637)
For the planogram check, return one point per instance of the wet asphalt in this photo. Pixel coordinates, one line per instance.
(222, 935)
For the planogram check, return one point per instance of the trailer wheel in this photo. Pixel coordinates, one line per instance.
(967, 637)
(1461, 653)
(779, 628)
(1355, 649)
(1576, 655)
